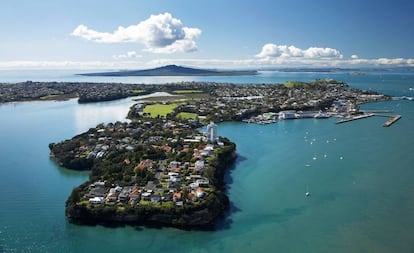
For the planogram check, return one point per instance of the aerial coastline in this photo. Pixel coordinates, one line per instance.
(187, 126)
(253, 172)
(158, 170)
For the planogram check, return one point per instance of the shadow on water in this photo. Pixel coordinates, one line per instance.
(227, 177)
(221, 223)
(68, 172)
(225, 222)
(240, 159)
(288, 213)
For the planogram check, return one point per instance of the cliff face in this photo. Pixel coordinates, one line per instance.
(188, 217)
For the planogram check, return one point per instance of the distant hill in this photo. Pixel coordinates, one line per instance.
(174, 70)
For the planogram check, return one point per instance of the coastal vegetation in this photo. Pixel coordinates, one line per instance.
(319, 83)
(153, 172)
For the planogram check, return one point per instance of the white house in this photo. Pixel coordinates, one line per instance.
(202, 181)
(199, 165)
(96, 200)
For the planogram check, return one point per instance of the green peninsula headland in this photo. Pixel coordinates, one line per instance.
(153, 172)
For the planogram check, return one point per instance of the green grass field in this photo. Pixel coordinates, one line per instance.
(49, 97)
(137, 91)
(159, 109)
(296, 84)
(187, 115)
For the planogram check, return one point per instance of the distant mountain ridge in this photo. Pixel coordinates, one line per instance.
(174, 70)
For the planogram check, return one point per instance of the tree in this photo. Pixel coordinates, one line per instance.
(75, 196)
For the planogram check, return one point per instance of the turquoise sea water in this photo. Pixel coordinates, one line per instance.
(360, 176)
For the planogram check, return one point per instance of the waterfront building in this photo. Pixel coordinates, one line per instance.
(211, 132)
(287, 115)
(306, 114)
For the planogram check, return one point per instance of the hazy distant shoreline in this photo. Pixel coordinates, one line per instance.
(174, 70)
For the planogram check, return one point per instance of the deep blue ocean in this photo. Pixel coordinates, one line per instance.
(360, 176)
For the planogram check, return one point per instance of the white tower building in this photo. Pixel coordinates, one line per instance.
(212, 132)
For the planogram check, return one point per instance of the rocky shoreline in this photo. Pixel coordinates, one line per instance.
(204, 218)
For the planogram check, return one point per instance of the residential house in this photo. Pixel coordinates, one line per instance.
(155, 198)
(146, 196)
(96, 200)
(199, 165)
(135, 194)
(200, 193)
(112, 195)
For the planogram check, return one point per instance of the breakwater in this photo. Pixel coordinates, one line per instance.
(352, 118)
(391, 120)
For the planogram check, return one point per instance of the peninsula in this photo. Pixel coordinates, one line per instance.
(155, 172)
(174, 70)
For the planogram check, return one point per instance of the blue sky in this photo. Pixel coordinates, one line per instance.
(107, 34)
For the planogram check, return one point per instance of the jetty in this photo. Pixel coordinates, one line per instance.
(391, 120)
(352, 118)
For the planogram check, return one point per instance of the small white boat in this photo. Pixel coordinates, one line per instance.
(307, 194)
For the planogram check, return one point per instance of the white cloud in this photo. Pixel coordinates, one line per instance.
(251, 63)
(354, 56)
(283, 51)
(159, 33)
(61, 65)
(128, 55)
